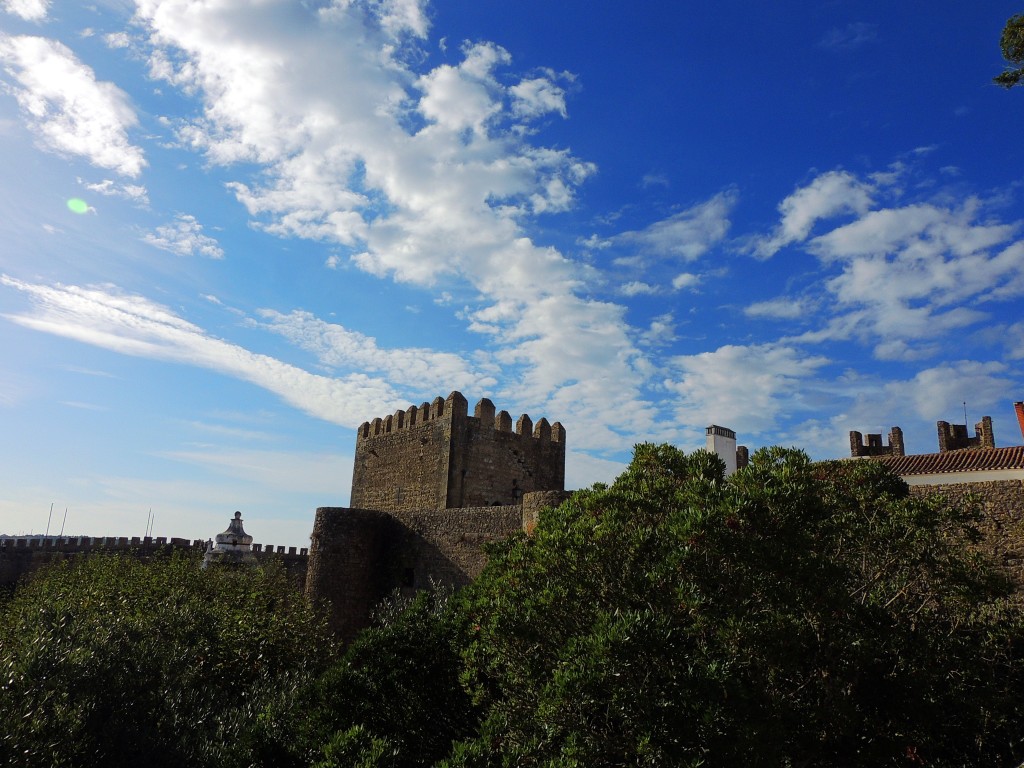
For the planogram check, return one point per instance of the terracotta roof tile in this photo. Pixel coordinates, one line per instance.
(968, 460)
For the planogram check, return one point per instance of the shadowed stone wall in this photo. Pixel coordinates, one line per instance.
(359, 557)
(1002, 523)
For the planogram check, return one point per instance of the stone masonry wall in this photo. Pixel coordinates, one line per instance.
(402, 462)
(359, 557)
(437, 456)
(492, 465)
(1002, 524)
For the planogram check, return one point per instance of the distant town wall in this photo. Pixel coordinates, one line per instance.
(22, 556)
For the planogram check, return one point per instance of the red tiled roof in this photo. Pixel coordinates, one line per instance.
(968, 460)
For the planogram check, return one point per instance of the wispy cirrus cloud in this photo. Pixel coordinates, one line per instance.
(684, 236)
(71, 112)
(132, 325)
(342, 348)
(854, 35)
(110, 188)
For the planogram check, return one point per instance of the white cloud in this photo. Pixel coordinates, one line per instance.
(920, 271)
(184, 237)
(71, 112)
(685, 280)
(582, 470)
(900, 276)
(117, 40)
(1013, 339)
(748, 388)
(828, 195)
(662, 330)
(932, 394)
(29, 10)
(638, 288)
(537, 96)
(338, 347)
(686, 235)
(133, 325)
(110, 188)
(782, 308)
(424, 175)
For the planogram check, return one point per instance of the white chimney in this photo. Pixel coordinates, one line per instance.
(722, 441)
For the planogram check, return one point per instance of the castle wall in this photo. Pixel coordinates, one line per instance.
(437, 456)
(1002, 523)
(359, 557)
(492, 465)
(402, 462)
(20, 557)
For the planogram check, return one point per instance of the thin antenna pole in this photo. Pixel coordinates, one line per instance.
(152, 519)
(965, 413)
(48, 520)
(64, 521)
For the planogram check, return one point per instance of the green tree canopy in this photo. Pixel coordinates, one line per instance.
(795, 614)
(1011, 43)
(108, 661)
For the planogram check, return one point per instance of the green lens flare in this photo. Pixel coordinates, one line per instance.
(77, 205)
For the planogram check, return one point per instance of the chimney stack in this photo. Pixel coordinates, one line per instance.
(1019, 408)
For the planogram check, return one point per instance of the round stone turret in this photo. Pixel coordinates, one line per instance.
(232, 547)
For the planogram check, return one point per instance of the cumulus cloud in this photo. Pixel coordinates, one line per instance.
(899, 276)
(538, 96)
(638, 288)
(133, 325)
(685, 280)
(749, 386)
(70, 111)
(29, 10)
(932, 394)
(922, 270)
(184, 237)
(427, 176)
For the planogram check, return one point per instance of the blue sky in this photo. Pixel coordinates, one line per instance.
(793, 219)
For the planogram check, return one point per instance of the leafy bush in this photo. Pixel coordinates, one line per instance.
(794, 614)
(109, 661)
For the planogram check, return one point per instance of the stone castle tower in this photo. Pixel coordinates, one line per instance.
(437, 456)
(430, 487)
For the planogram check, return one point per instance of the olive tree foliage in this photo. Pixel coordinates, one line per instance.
(1011, 43)
(794, 614)
(109, 661)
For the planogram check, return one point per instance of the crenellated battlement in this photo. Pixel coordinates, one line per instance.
(872, 445)
(73, 544)
(438, 456)
(454, 408)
